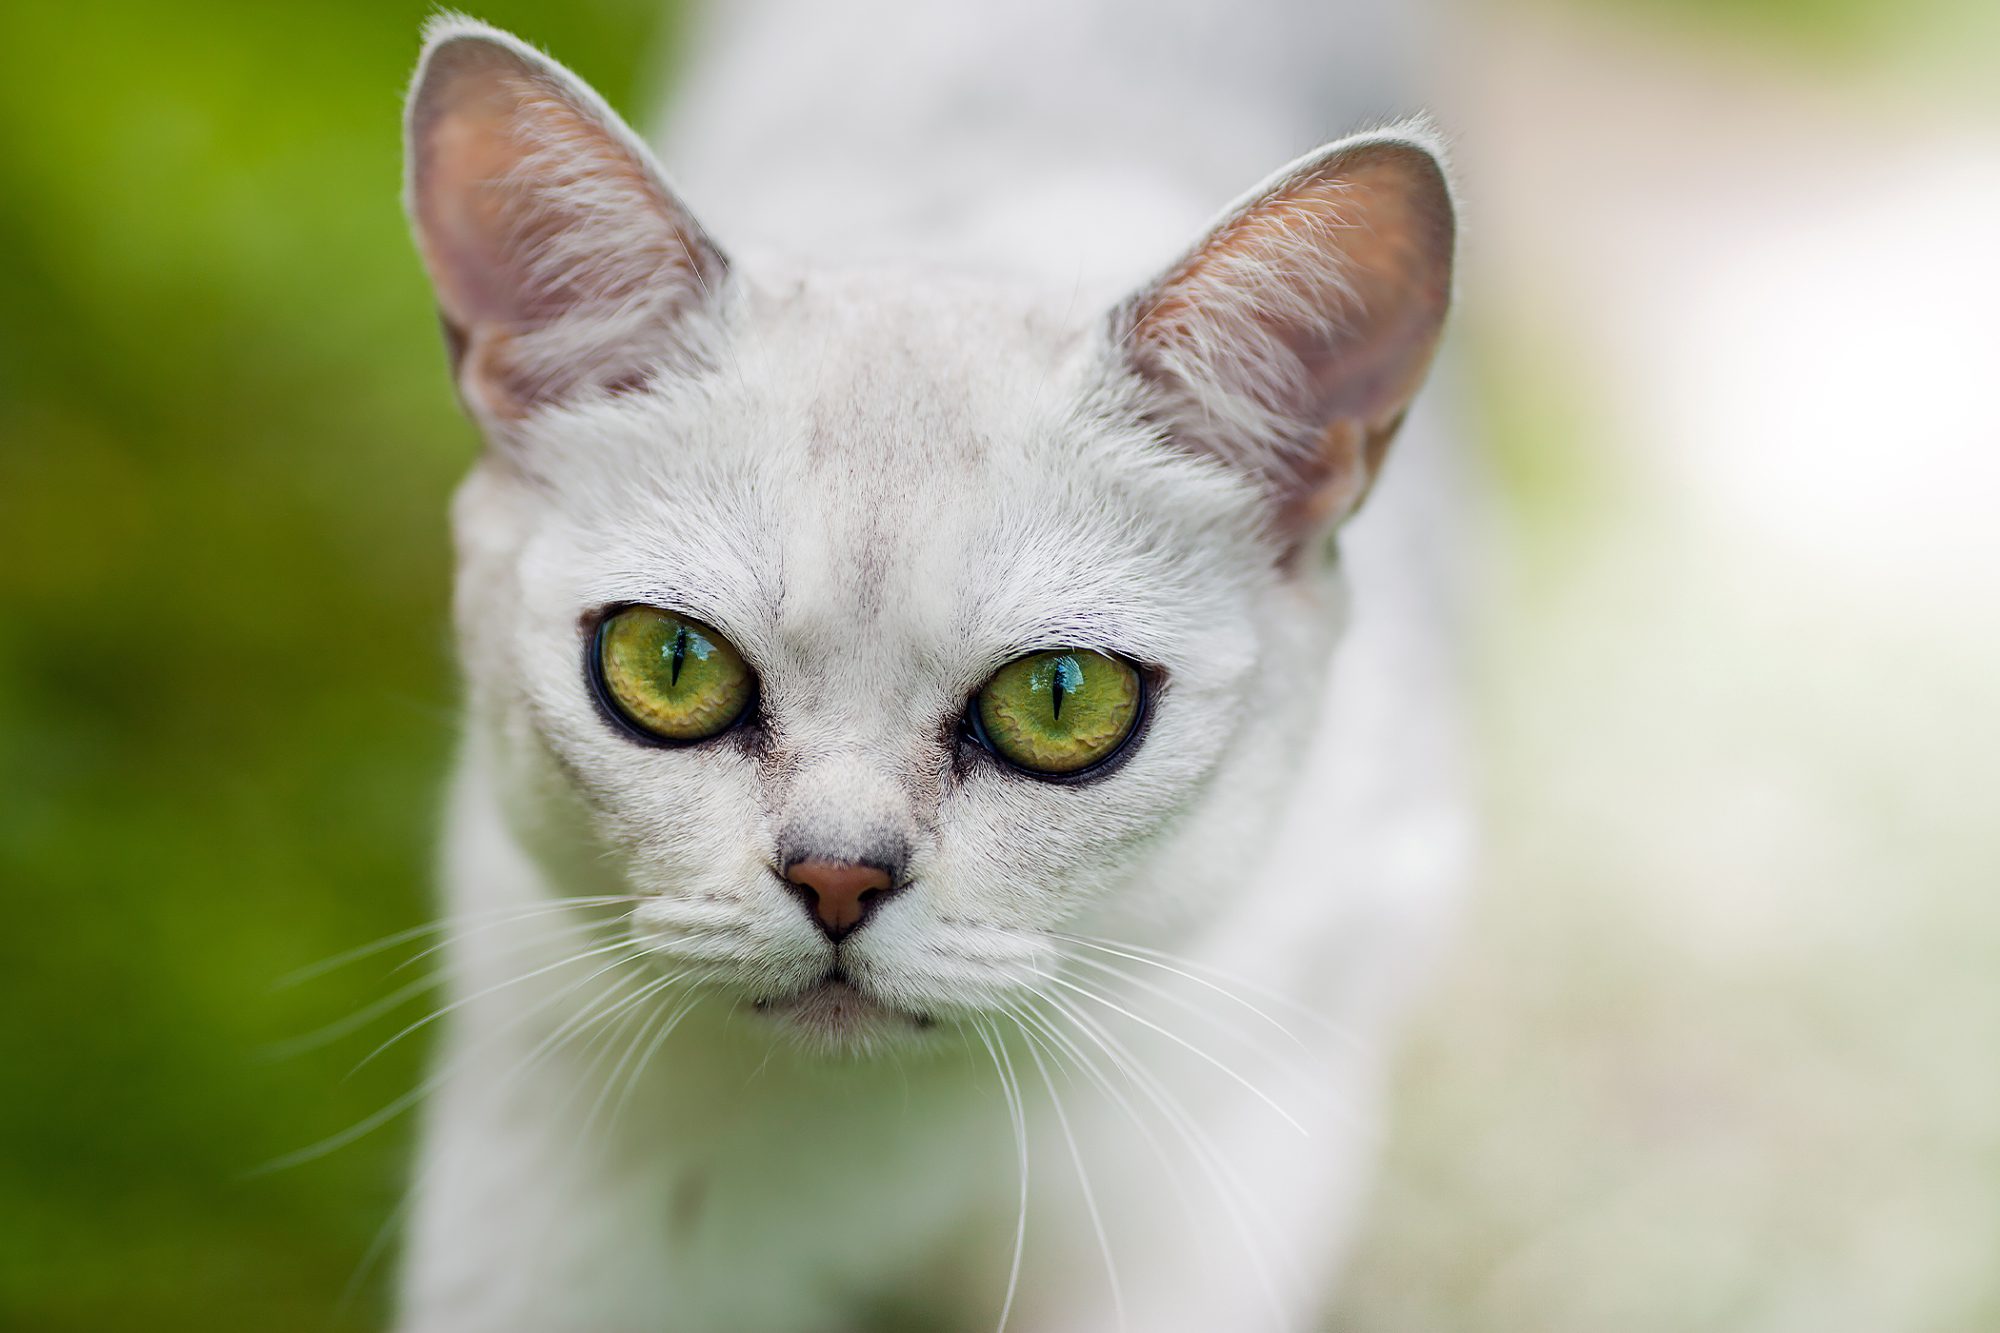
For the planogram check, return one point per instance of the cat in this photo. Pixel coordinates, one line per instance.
(916, 857)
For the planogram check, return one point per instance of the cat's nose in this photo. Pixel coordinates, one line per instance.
(839, 894)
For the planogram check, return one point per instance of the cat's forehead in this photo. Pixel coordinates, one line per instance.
(871, 475)
(914, 361)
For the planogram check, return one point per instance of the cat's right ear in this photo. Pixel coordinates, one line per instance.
(1290, 340)
(563, 263)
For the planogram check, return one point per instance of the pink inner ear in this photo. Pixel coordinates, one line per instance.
(559, 257)
(1291, 340)
(469, 217)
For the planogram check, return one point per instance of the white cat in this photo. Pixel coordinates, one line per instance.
(913, 864)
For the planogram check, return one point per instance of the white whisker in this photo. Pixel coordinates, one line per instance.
(354, 1022)
(638, 1070)
(460, 1003)
(1186, 1045)
(604, 1008)
(1083, 1060)
(378, 1244)
(1219, 980)
(542, 932)
(1082, 1176)
(387, 942)
(355, 1131)
(370, 1123)
(1181, 972)
(1258, 1041)
(389, 1003)
(1018, 1114)
(618, 1070)
(1229, 1187)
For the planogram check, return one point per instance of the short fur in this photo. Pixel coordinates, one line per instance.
(882, 482)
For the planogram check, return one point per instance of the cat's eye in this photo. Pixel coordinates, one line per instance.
(669, 676)
(1059, 713)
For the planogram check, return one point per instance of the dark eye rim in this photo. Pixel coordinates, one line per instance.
(1142, 713)
(615, 714)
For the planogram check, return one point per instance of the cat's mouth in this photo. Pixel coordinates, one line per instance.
(835, 1009)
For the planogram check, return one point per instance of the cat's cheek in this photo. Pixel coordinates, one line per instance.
(605, 814)
(1029, 856)
(550, 808)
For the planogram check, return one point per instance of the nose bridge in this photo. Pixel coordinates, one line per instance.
(846, 805)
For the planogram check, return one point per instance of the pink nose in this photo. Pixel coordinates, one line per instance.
(838, 893)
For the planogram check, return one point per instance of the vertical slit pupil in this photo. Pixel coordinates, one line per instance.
(1063, 667)
(680, 654)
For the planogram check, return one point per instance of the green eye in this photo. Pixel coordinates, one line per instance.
(670, 676)
(1058, 712)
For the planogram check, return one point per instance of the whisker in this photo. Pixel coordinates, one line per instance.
(618, 1070)
(354, 1022)
(387, 942)
(335, 1142)
(1082, 1176)
(584, 1137)
(1183, 973)
(1191, 968)
(602, 1009)
(1186, 1045)
(561, 928)
(638, 1070)
(378, 1245)
(610, 1014)
(368, 1124)
(1082, 1059)
(460, 1003)
(1230, 1189)
(1018, 1115)
(1225, 1024)
(1170, 1106)
(389, 1003)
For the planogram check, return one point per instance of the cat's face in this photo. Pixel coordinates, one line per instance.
(749, 563)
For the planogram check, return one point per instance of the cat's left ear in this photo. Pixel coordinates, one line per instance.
(1289, 341)
(562, 262)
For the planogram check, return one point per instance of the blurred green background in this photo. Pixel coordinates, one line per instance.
(226, 700)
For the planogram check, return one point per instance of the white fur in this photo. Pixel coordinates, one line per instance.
(882, 482)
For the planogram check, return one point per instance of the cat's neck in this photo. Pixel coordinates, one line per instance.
(1068, 137)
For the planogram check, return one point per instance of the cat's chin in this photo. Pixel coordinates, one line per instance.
(833, 1015)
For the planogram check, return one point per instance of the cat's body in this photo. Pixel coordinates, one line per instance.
(882, 477)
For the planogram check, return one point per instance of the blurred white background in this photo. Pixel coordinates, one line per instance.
(1718, 1044)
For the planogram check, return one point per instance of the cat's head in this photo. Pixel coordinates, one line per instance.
(876, 628)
